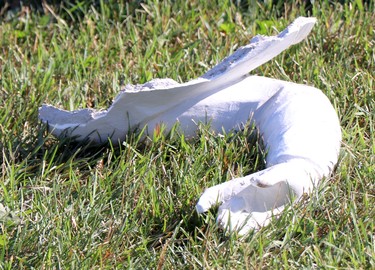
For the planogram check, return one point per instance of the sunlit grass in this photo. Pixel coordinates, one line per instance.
(69, 205)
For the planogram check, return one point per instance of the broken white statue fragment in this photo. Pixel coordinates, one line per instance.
(298, 125)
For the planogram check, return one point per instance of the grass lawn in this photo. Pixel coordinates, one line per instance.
(65, 205)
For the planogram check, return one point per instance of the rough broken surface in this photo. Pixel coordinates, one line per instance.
(298, 124)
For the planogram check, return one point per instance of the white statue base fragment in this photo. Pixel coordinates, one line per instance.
(298, 125)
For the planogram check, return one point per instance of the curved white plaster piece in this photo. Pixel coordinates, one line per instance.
(298, 124)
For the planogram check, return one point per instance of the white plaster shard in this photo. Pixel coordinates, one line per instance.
(298, 125)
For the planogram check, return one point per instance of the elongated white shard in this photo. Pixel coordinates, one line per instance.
(298, 125)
